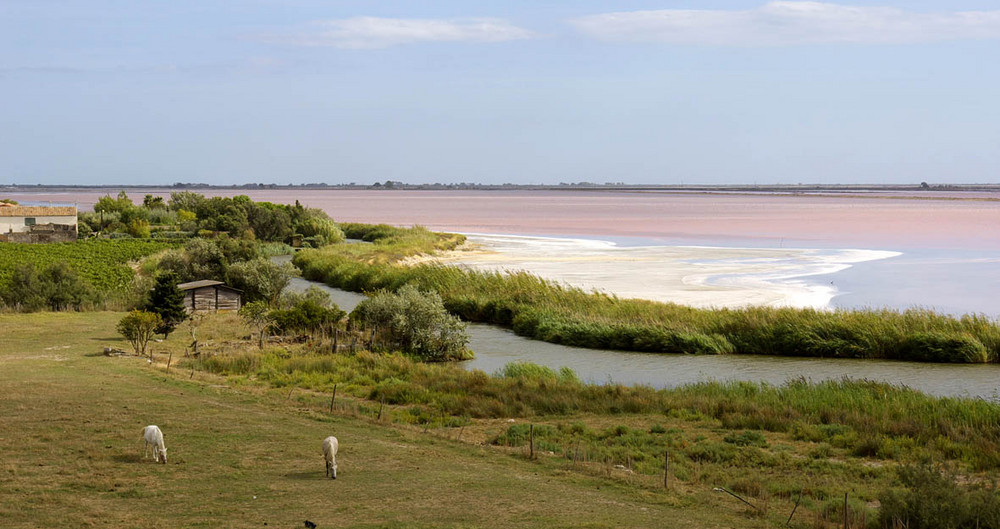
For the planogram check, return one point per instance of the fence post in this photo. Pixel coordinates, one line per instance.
(380, 406)
(531, 442)
(169, 358)
(333, 398)
(666, 467)
(845, 510)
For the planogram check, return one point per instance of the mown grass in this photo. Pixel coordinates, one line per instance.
(544, 310)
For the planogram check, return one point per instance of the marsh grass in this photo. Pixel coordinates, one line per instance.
(545, 310)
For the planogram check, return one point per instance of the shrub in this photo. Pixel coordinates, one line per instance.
(414, 322)
(55, 287)
(138, 327)
(260, 279)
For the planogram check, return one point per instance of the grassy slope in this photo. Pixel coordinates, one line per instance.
(70, 425)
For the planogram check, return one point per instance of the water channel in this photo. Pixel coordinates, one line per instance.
(495, 347)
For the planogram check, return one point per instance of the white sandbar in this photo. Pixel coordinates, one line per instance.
(689, 275)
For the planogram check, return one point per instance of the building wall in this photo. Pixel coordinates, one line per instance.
(211, 299)
(16, 224)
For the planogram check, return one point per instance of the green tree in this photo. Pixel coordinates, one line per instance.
(138, 328)
(153, 202)
(107, 204)
(186, 200)
(24, 291)
(205, 260)
(257, 316)
(260, 279)
(415, 322)
(168, 301)
(62, 288)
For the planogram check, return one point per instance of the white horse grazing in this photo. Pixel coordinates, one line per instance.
(154, 436)
(330, 454)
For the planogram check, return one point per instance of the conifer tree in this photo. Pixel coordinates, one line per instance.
(168, 301)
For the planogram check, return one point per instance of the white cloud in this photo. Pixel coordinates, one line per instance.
(375, 32)
(790, 23)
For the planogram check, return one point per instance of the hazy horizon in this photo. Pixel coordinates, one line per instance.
(657, 93)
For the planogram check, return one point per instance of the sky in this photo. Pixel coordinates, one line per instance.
(515, 91)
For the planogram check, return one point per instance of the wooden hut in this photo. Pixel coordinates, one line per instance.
(208, 295)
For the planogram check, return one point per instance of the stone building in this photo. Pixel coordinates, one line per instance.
(37, 224)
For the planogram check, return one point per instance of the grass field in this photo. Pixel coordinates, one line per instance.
(71, 421)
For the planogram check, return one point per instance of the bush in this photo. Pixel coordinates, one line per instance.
(414, 322)
(55, 287)
(259, 279)
(306, 317)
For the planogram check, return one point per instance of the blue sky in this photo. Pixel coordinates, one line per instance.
(296, 91)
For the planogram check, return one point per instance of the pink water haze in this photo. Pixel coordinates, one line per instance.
(676, 218)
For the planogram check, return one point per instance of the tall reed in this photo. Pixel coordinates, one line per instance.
(545, 310)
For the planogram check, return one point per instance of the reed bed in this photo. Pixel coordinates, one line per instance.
(536, 308)
(860, 418)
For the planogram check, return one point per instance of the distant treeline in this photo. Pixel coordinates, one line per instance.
(187, 214)
(544, 310)
(398, 185)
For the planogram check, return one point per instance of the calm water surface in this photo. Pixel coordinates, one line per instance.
(496, 347)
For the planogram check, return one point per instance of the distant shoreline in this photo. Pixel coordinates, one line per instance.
(892, 191)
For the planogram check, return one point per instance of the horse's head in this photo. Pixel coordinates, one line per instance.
(331, 469)
(163, 455)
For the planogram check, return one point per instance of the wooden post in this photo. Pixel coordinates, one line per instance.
(789, 520)
(169, 358)
(336, 340)
(460, 433)
(333, 398)
(531, 442)
(290, 393)
(666, 467)
(192, 371)
(380, 406)
(845, 510)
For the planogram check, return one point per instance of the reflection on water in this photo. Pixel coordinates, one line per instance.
(496, 347)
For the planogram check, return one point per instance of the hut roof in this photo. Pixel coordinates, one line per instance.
(205, 283)
(37, 211)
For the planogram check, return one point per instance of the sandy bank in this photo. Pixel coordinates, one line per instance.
(689, 275)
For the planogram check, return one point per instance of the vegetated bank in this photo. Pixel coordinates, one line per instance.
(775, 446)
(545, 310)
